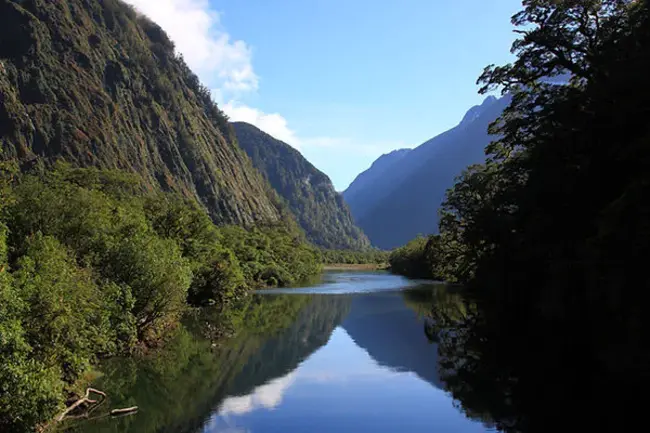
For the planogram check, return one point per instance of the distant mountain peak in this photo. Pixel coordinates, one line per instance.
(368, 177)
(400, 195)
(394, 155)
(476, 111)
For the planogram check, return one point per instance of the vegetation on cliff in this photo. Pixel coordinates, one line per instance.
(97, 84)
(308, 192)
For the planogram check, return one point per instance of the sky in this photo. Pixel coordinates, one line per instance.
(342, 81)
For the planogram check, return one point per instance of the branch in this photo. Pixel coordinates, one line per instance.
(85, 399)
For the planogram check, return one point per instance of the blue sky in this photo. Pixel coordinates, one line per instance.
(344, 81)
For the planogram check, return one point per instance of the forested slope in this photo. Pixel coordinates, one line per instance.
(100, 85)
(309, 193)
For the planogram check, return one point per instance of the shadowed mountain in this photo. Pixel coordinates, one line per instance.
(356, 195)
(309, 193)
(403, 201)
(97, 84)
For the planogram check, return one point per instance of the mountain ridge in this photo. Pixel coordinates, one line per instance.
(368, 177)
(403, 201)
(308, 192)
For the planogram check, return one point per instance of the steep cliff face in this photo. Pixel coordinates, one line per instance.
(97, 84)
(308, 192)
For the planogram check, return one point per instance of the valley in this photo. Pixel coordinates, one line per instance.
(165, 243)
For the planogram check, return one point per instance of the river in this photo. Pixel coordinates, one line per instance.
(349, 353)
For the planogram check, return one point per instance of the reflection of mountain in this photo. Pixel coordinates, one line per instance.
(280, 355)
(393, 335)
(185, 382)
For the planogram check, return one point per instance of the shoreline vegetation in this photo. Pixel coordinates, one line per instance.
(550, 236)
(93, 265)
(97, 263)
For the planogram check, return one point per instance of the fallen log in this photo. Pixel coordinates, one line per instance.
(124, 411)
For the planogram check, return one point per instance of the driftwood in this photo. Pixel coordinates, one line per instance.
(94, 405)
(85, 399)
(125, 411)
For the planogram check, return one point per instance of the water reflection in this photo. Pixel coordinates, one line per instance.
(319, 363)
(349, 282)
(384, 326)
(516, 368)
(376, 373)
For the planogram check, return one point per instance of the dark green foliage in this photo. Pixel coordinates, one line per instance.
(552, 233)
(308, 192)
(273, 255)
(96, 84)
(560, 173)
(62, 322)
(569, 166)
(216, 271)
(91, 265)
(416, 259)
(352, 257)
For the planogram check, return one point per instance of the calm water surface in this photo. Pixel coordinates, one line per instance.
(348, 354)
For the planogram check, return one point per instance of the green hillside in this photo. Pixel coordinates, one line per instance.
(99, 85)
(309, 193)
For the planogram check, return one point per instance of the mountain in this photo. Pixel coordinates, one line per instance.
(354, 194)
(309, 193)
(402, 200)
(97, 84)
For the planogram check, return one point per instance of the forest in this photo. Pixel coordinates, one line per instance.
(93, 265)
(353, 257)
(548, 238)
(560, 196)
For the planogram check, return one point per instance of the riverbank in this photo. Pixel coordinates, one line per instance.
(356, 267)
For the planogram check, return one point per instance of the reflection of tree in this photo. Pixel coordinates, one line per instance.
(391, 333)
(448, 304)
(178, 386)
(515, 368)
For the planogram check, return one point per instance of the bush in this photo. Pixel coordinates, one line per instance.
(62, 321)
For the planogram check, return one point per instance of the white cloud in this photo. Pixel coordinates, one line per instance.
(208, 49)
(221, 63)
(273, 123)
(277, 126)
(225, 66)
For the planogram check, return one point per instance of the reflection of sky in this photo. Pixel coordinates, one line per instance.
(341, 388)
